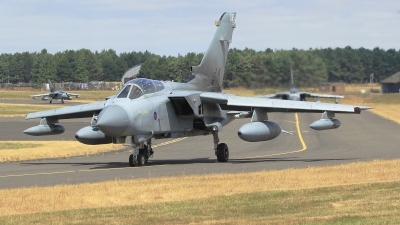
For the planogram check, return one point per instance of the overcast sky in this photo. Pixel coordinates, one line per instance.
(179, 26)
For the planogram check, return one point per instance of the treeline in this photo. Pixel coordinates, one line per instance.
(247, 68)
(68, 66)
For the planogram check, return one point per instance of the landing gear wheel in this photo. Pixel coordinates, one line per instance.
(141, 160)
(50, 101)
(131, 161)
(222, 153)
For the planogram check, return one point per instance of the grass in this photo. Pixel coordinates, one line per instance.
(362, 192)
(85, 95)
(335, 205)
(20, 145)
(356, 193)
(14, 110)
(28, 150)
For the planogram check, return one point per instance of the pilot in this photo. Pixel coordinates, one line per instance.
(135, 93)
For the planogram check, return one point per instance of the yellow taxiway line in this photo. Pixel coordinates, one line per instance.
(163, 144)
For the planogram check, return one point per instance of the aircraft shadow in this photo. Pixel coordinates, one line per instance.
(287, 159)
(116, 165)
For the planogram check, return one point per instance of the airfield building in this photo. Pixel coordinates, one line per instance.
(391, 84)
(332, 87)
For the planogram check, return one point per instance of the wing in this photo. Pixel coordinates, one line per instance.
(316, 95)
(78, 111)
(39, 95)
(237, 103)
(276, 95)
(73, 94)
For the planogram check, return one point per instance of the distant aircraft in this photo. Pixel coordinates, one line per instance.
(145, 109)
(55, 94)
(296, 95)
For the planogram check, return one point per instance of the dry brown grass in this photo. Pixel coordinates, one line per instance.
(181, 188)
(358, 87)
(85, 95)
(390, 112)
(28, 150)
(16, 110)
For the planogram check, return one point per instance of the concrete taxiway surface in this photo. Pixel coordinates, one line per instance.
(362, 137)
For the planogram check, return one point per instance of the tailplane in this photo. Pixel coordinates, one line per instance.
(211, 70)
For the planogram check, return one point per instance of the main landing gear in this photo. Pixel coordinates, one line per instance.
(141, 154)
(221, 149)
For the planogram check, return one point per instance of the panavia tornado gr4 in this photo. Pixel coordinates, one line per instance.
(145, 109)
(296, 95)
(53, 94)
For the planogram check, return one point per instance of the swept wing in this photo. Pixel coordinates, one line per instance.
(77, 111)
(238, 103)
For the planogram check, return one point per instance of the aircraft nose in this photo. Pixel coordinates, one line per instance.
(113, 120)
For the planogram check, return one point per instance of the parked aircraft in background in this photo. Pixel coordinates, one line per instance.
(296, 95)
(55, 94)
(145, 109)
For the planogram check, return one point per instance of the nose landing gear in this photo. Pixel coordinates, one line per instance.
(141, 154)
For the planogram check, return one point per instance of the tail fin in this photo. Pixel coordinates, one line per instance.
(212, 66)
(291, 77)
(52, 89)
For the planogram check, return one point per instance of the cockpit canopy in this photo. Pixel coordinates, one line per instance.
(138, 87)
(293, 90)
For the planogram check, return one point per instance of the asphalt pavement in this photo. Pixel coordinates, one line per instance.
(363, 137)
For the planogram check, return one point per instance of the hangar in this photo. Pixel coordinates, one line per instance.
(391, 84)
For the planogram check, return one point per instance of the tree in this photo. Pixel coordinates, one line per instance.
(44, 67)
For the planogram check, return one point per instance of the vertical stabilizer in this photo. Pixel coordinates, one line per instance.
(291, 77)
(212, 66)
(52, 89)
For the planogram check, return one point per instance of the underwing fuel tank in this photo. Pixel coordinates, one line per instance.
(40, 130)
(259, 131)
(92, 136)
(325, 124)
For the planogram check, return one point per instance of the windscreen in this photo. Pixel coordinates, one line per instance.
(124, 93)
(136, 92)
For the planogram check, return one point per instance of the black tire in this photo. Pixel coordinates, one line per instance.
(131, 162)
(222, 153)
(141, 160)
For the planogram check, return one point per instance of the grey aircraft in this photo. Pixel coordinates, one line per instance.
(55, 94)
(296, 95)
(145, 109)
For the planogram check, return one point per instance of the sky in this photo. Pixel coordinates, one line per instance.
(179, 26)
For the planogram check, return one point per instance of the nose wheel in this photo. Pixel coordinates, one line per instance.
(141, 155)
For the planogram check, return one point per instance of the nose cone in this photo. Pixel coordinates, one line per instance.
(113, 120)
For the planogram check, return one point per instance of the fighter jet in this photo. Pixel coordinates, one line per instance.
(55, 94)
(296, 95)
(145, 109)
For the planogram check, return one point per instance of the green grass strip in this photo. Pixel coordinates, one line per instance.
(376, 203)
(16, 146)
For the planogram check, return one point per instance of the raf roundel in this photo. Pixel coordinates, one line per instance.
(155, 115)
